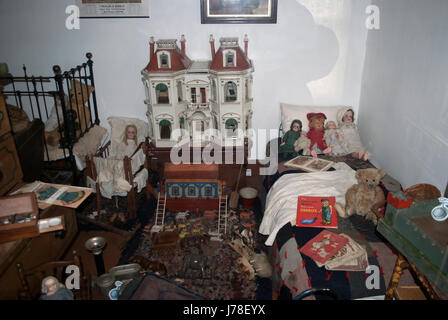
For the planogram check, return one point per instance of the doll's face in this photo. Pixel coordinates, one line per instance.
(131, 133)
(51, 286)
(331, 125)
(296, 127)
(317, 123)
(348, 116)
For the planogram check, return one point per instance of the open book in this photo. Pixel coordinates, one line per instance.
(309, 164)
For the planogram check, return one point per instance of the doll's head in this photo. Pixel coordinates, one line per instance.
(330, 125)
(130, 133)
(50, 285)
(348, 116)
(316, 120)
(296, 125)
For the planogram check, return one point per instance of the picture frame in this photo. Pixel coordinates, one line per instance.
(89, 9)
(238, 11)
(309, 164)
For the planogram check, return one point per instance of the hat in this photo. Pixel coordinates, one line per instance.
(314, 114)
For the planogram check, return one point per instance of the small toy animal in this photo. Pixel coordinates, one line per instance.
(303, 143)
(366, 197)
(181, 217)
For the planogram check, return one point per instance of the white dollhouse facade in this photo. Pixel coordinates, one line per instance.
(198, 101)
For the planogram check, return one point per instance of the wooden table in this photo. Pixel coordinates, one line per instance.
(422, 245)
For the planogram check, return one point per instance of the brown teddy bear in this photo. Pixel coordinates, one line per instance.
(366, 197)
(77, 112)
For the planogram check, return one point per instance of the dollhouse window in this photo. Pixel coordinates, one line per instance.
(230, 91)
(165, 129)
(182, 122)
(164, 60)
(193, 95)
(231, 126)
(179, 91)
(162, 94)
(175, 191)
(213, 90)
(229, 58)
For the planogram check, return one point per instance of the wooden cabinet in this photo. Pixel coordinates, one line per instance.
(35, 251)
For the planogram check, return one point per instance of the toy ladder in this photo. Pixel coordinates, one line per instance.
(222, 220)
(160, 213)
(222, 214)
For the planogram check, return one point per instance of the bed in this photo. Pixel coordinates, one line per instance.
(294, 272)
(66, 105)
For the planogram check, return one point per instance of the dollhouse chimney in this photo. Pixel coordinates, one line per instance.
(212, 46)
(246, 42)
(182, 45)
(151, 48)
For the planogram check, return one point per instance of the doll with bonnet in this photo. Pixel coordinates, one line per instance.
(286, 149)
(316, 134)
(335, 139)
(351, 138)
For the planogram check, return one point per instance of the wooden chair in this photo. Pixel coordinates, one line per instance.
(30, 279)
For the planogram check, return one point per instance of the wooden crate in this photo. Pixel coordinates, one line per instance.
(19, 205)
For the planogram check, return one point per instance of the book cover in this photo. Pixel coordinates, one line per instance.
(316, 212)
(347, 258)
(324, 246)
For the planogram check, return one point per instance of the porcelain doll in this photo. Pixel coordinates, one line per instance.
(286, 148)
(52, 289)
(351, 138)
(334, 139)
(129, 144)
(316, 134)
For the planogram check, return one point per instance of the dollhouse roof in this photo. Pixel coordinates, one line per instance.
(178, 61)
(242, 62)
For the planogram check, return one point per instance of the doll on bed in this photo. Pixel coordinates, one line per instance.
(129, 144)
(316, 134)
(334, 138)
(286, 148)
(351, 138)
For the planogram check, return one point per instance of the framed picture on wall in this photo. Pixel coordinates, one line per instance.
(113, 8)
(238, 11)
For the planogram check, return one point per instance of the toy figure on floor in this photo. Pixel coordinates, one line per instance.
(286, 148)
(129, 144)
(316, 134)
(334, 139)
(351, 138)
(52, 289)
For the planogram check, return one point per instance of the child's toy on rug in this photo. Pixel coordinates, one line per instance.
(366, 197)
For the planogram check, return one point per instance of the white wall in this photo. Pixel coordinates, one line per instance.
(404, 96)
(313, 55)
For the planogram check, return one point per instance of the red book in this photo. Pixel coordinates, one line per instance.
(316, 212)
(324, 246)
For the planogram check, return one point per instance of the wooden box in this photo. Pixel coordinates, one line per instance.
(19, 217)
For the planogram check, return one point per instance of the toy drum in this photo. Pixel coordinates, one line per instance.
(248, 196)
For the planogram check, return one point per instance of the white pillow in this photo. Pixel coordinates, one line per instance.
(118, 124)
(291, 112)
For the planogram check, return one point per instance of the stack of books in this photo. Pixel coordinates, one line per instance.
(336, 252)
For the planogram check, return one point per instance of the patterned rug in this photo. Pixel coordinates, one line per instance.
(223, 277)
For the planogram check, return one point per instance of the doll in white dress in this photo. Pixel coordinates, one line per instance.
(352, 140)
(334, 139)
(129, 144)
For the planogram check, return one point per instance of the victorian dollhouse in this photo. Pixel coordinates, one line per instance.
(198, 101)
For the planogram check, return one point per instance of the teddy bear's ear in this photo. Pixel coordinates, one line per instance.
(358, 174)
(382, 172)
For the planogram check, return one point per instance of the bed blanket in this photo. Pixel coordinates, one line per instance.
(281, 201)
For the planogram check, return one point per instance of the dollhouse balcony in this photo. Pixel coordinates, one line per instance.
(193, 107)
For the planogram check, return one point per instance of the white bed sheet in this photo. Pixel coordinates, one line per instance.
(281, 201)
